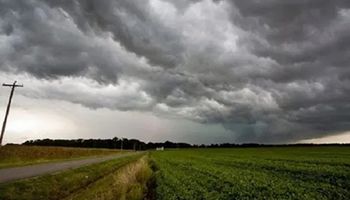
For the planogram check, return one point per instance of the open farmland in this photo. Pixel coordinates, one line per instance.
(254, 173)
(206, 173)
(18, 155)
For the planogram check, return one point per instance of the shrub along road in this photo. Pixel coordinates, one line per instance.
(10, 174)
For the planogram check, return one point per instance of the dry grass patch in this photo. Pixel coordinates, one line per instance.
(131, 182)
(128, 183)
(17, 155)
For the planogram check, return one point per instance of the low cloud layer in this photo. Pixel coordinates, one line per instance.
(267, 71)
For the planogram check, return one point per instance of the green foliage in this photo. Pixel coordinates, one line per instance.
(63, 184)
(18, 155)
(254, 173)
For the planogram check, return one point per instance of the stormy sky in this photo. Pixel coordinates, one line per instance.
(198, 71)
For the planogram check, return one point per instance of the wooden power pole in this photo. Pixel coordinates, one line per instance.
(13, 86)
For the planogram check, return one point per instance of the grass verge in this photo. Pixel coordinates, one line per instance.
(63, 184)
(20, 155)
(128, 183)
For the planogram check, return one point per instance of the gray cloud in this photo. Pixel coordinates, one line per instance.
(132, 24)
(267, 71)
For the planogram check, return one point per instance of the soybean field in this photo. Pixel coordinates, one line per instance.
(253, 173)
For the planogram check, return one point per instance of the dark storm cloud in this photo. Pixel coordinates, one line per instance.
(269, 71)
(309, 41)
(296, 31)
(132, 24)
(45, 44)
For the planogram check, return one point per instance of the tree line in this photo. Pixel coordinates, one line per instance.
(134, 144)
(114, 143)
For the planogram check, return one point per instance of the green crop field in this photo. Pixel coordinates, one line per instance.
(253, 173)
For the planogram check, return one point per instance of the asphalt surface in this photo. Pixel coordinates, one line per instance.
(15, 173)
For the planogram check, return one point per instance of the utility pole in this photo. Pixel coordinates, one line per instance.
(13, 86)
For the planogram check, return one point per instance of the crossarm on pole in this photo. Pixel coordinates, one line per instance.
(11, 85)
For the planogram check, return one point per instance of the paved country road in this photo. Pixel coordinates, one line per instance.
(10, 174)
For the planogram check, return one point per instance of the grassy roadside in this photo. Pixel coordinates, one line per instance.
(128, 183)
(18, 155)
(63, 184)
